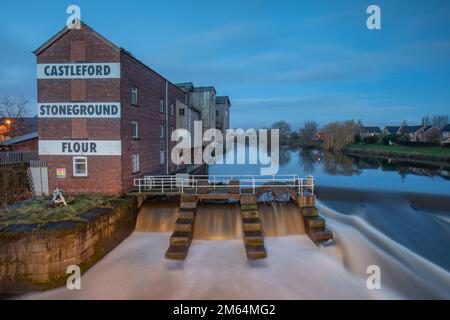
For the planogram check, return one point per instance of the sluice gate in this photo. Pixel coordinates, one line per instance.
(247, 190)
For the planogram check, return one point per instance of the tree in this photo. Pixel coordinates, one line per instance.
(439, 120)
(426, 121)
(307, 132)
(285, 130)
(14, 110)
(336, 135)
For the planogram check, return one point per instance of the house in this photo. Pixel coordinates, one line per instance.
(104, 117)
(223, 113)
(445, 134)
(27, 142)
(370, 131)
(391, 130)
(186, 116)
(13, 127)
(214, 110)
(412, 132)
(428, 133)
(204, 98)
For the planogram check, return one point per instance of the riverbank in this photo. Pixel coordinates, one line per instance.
(36, 251)
(427, 154)
(36, 211)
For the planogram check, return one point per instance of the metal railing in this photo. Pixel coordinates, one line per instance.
(17, 157)
(181, 184)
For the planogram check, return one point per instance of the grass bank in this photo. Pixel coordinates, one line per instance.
(36, 212)
(414, 153)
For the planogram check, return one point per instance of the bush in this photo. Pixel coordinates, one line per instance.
(370, 139)
(13, 184)
(402, 139)
(389, 138)
(419, 144)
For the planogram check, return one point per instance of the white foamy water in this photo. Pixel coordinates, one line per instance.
(294, 269)
(359, 244)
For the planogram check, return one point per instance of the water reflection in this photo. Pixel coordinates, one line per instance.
(337, 163)
(341, 170)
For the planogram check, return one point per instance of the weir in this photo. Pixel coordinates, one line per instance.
(245, 190)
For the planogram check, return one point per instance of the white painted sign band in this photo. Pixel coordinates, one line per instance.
(79, 110)
(78, 71)
(80, 147)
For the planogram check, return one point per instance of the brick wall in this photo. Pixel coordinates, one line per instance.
(81, 46)
(151, 88)
(29, 145)
(107, 174)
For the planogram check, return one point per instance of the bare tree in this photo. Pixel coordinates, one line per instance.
(14, 110)
(307, 132)
(285, 130)
(426, 121)
(439, 120)
(14, 107)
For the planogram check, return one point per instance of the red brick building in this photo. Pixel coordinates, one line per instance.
(105, 118)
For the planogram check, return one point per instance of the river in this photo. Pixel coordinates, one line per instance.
(384, 213)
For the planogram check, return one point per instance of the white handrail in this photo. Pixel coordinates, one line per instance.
(177, 184)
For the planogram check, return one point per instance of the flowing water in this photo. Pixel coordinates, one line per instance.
(393, 215)
(217, 267)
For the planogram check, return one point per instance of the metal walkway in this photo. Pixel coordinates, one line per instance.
(222, 185)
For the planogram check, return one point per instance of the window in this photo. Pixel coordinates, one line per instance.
(161, 157)
(161, 135)
(135, 163)
(181, 111)
(134, 130)
(134, 96)
(161, 105)
(171, 110)
(80, 167)
(217, 113)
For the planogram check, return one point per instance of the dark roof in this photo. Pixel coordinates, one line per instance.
(392, 129)
(223, 100)
(372, 129)
(411, 129)
(446, 128)
(185, 86)
(19, 139)
(426, 128)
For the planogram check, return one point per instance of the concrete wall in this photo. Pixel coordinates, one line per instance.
(33, 257)
(205, 100)
(223, 117)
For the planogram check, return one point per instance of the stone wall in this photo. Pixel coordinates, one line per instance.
(36, 257)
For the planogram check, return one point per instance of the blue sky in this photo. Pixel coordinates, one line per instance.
(277, 60)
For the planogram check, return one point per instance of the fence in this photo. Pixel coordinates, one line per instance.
(17, 157)
(195, 183)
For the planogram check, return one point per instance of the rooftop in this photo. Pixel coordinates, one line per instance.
(223, 100)
(19, 139)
